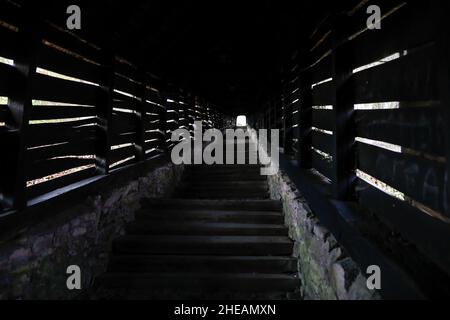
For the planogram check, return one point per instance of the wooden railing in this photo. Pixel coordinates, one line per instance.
(367, 112)
(71, 110)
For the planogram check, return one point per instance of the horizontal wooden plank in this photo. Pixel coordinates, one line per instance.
(428, 234)
(126, 69)
(5, 114)
(57, 61)
(58, 183)
(321, 164)
(420, 128)
(153, 125)
(152, 144)
(9, 39)
(73, 148)
(53, 133)
(154, 135)
(126, 85)
(118, 166)
(323, 94)
(323, 51)
(123, 138)
(322, 119)
(125, 103)
(10, 13)
(418, 178)
(124, 122)
(409, 27)
(293, 84)
(173, 126)
(410, 78)
(44, 168)
(61, 112)
(58, 90)
(322, 70)
(154, 154)
(121, 154)
(322, 142)
(8, 75)
(63, 38)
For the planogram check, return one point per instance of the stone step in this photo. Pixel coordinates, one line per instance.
(210, 264)
(258, 217)
(224, 169)
(223, 193)
(204, 245)
(225, 184)
(239, 205)
(212, 178)
(226, 189)
(178, 227)
(204, 282)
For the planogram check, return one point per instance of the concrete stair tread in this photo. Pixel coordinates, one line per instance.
(255, 217)
(257, 195)
(244, 282)
(204, 228)
(209, 245)
(208, 239)
(211, 264)
(242, 205)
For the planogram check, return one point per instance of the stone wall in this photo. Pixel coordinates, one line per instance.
(33, 264)
(327, 273)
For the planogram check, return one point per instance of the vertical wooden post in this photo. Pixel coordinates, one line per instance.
(20, 104)
(191, 116)
(163, 119)
(284, 122)
(104, 111)
(443, 56)
(343, 170)
(141, 117)
(305, 119)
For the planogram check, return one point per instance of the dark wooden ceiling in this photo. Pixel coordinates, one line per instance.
(230, 51)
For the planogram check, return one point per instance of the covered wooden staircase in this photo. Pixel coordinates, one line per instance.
(220, 237)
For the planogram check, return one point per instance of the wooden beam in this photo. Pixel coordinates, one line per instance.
(305, 112)
(14, 169)
(443, 47)
(343, 169)
(104, 108)
(141, 117)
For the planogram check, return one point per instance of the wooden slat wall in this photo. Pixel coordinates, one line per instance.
(322, 86)
(416, 125)
(384, 113)
(290, 100)
(76, 110)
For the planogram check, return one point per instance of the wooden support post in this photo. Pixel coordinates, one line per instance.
(305, 120)
(287, 122)
(443, 56)
(104, 108)
(191, 116)
(141, 118)
(343, 169)
(14, 177)
(163, 119)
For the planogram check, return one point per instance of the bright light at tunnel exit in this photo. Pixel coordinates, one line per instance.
(241, 121)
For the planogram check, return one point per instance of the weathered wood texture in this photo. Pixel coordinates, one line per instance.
(76, 109)
(380, 104)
